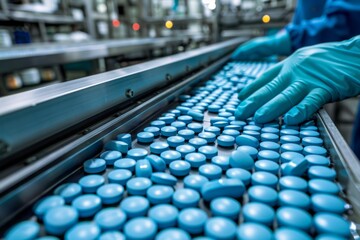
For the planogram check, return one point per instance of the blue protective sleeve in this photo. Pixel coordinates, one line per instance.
(340, 20)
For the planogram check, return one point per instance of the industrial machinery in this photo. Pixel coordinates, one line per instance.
(45, 140)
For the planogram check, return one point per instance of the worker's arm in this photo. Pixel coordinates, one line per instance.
(298, 86)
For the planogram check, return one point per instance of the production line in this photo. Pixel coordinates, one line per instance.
(164, 132)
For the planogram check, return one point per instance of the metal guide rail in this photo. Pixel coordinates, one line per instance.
(161, 107)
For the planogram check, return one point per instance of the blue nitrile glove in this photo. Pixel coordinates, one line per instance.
(302, 83)
(261, 47)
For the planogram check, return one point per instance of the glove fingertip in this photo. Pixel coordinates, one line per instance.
(293, 118)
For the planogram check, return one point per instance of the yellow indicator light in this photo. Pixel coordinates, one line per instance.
(266, 18)
(169, 24)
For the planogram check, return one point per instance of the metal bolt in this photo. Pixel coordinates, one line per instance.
(129, 93)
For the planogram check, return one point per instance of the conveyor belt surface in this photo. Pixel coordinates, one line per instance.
(197, 171)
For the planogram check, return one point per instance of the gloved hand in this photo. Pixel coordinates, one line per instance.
(262, 47)
(302, 83)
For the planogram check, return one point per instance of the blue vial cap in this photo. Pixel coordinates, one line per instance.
(208, 136)
(258, 213)
(221, 161)
(269, 155)
(153, 130)
(195, 182)
(294, 218)
(47, 203)
(135, 206)
(267, 166)
(225, 207)
(296, 167)
(247, 140)
(285, 233)
(225, 141)
(143, 168)
(91, 183)
(264, 178)
(147, 230)
(145, 137)
(125, 163)
(312, 141)
(289, 139)
(254, 231)
(157, 163)
(315, 150)
(294, 198)
(68, 191)
(185, 118)
(185, 198)
(175, 141)
(137, 153)
(195, 159)
(222, 188)
(110, 157)
(138, 185)
(179, 125)
(196, 127)
(291, 147)
(250, 150)
(293, 183)
(120, 146)
(241, 159)
(159, 147)
(83, 231)
(210, 171)
(316, 160)
(208, 151)
(173, 234)
(87, 205)
(158, 124)
(322, 172)
(220, 228)
(179, 168)
(163, 179)
(331, 224)
(168, 131)
(239, 173)
(96, 165)
(197, 142)
(192, 220)
(170, 156)
(263, 194)
(110, 193)
(289, 156)
(213, 129)
(165, 215)
(185, 149)
(125, 137)
(159, 194)
(112, 235)
(266, 145)
(327, 203)
(110, 219)
(23, 230)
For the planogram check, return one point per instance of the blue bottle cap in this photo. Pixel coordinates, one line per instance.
(158, 124)
(208, 151)
(312, 141)
(267, 166)
(159, 147)
(285, 233)
(168, 131)
(157, 163)
(241, 159)
(163, 179)
(225, 207)
(316, 160)
(196, 127)
(110, 157)
(247, 140)
(175, 141)
(137, 153)
(110, 193)
(112, 235)
(173, 234)
(289, 156)
(119, 176)
(271, 137)
(197, 142)
(23, 230)
(192, 220)
(170, 156)
(120, 146)
(331, 224)
(197, 116)
(210, 171)
(59, 219)
(91, 183)
(164, 215)
(208, 136)
(327, 203)
(138, 185)
(220, 228)
(125, 137)
(96, 165)
(289, 132)
(159, 194)
(294, 218)
(213, 129)
(68, 191)
(145, 137)
(309, 133)
(185, 149)
(293, 183)
(296, 167)
(87, 205)
(254, 231)
(225, 141)
(135, 206)
(221, 161)
(110, 219)
(125, 163)
(269, 155)
(291, 147)
(315, 150)
(294, 198)
(147, 230)
(179, 125)
(258, 213)
(266, 145)
(143, 168)
(185, 198)
(264, 178)
(289, 139)
(179, 168)
(47, 203)
(222, 188)
(195, 182)
(322, 172)
(83, 231)
(153, 130)
(263, 194)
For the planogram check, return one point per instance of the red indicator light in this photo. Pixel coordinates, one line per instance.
(136, 27)
(115, 23)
